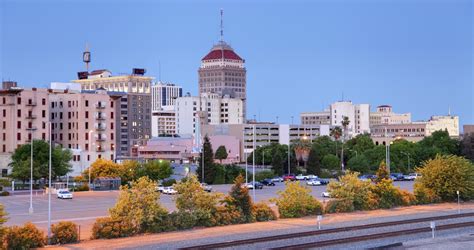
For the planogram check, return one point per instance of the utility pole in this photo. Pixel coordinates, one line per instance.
(49, 185)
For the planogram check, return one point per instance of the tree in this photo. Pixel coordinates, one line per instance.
(191, 197)
(3, 219)
(296, 201)
(221, 153)
(314, 162)
(345, 122)
(336, 133)
(209, 168)
(102, 168)
(330, 162)
(446, 174)
(157, 170)
(239, 199)
(130, 171)
(21, 161)
(352, 189)
(358, 164)
(359, 144)
(467, 146)
(438, 143)
(382, 172)
(138, 205)
(277, 163)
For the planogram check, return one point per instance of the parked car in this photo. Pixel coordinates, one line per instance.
(301, 177)
(169, 190)
(323, 181)
(268, 182)
(206, 187)
(289, 177)
(277, 179)
(252, 184)
(311, 176)
(160, 188)
(313, 182)
(64, 194)
(365, 177)
(326, 194)
(397, 176)
(411, 176)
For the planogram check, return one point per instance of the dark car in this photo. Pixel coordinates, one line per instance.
(397, 176)
(268, 182)
(257, 185)
(289, 177)
(323, 181)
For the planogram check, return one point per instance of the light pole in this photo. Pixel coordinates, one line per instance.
(253, 170)
(49, 186)
(408, 163)
(459, 204)
(90, 165)
(245, 155)
(387, 156)
(30, 210)
(202, 163)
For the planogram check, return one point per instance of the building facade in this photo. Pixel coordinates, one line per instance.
(193, 112)
(24, 116)
(84, 122)
(223, 72)
(443, 122)
(385, 133)
(316, 118)
(163, 100)
(385, 115)
(135, 123)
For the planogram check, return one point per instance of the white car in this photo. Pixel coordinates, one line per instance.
(160, 188)
(311, 176)
(301, 177)
(169, 190)
(326, 194)
(313, 182)
(64, 194)
(206, 187)
(277, 179)
(247, 185)
(411, 177)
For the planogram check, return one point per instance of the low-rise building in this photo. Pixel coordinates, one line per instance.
(385, 115)
(443, 122)
(385, 133)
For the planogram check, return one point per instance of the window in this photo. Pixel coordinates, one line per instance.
(18, 100)
(43, 113)
(4, 113)
(43, 136)
(4, 136)
(87, 125)
(111, 136)
(4, 149)
(43, 101)
(87, 114)
(111, 115)
(18, 124)
(111, 125)
(18, 113)
(4, 125)
(18, 136)
(87, 103)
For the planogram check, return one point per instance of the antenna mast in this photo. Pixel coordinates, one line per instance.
(222, 25)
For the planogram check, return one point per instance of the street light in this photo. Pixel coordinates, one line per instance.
(245, 154)
(90, 146)
(387, 155)
(31, 174)
(49, 185)
(253, 170)
(408, 163)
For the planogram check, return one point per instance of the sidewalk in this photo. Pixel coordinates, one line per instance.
(267, 227)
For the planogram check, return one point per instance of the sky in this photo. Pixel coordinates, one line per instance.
(416, 55)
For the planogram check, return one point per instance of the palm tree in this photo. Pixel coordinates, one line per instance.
(336, 133)
(302, 148)
(345, 122)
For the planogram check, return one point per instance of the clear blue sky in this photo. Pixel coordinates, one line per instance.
(300, 55)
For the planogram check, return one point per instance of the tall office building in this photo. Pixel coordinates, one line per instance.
(135, 105)
(223, 72)
(163, 99)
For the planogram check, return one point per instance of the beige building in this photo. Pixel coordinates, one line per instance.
(385, 115)
(443, 122)
(133, 90)
(24, 115)
(84, 122)
(385, 133)
(316, 118)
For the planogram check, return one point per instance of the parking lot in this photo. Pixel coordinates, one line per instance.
(87, 206)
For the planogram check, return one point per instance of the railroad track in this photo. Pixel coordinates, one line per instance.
(336, 230)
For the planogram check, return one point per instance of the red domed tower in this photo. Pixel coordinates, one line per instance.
(222, 71)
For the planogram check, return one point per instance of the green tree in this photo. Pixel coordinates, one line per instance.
(157, 170)
(336, 133)
(209, 167)
(191, 197)
(130, 170)
(239, 199)
(359, 144)
(102, 168)
(221, 153)
(446, 174)
(374, 156)
(438, 143)
(314, 162)
(330, 162)
(467, 146)
(358, 164)
(21, 161)
(277, 163)
(139, 205)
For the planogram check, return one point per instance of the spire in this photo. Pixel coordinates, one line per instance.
(222, 25)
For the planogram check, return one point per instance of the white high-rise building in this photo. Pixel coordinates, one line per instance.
(206, 109)
(358, 115)
(443, 122)
(163, 99)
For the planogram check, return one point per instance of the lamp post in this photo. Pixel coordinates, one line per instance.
(245, 155)
(30, 210)
(387, 156)
(49, 186)
(289, 143)
(90, 146)
(253, 168)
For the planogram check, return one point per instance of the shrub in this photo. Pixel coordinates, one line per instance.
(138, 205)
(297, 201)
(168, 182)
(425, 195)
(26, 237)
(224, 215)
(108, 228)
(81, 188)
(265, 174)
(443, 176)
(387, 194)
(407, 198)
(4, 193)
(3, 219)
(339, 206)
(1, 188)
(64, 232)
(349, 187)
(239, 199)
(263, 212)
(183, 220)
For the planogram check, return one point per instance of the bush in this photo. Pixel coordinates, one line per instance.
(443, 176)
(183, 220)
(388, 196)
(265, 174)
(339, 206)
(263, 212)
(108, 228)
(1, 188)
(4, 193)
(226, 216)
(64, 232)
(239, 199)
(349, 187)
(168, 182)
(81, 188)
(408, 198)
(297, 201)
(425, 195)
(26, 237)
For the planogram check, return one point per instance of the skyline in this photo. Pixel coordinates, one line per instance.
(372, 55)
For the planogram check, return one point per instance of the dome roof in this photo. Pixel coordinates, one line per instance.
(222, 50)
